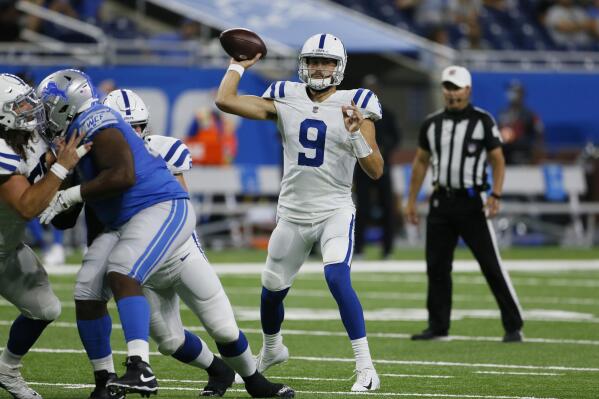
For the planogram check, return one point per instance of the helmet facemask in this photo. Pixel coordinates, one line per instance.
(25, 113)
(322, 45)
(320, 83)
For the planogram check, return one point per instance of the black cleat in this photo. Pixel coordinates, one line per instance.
(259, 387)
(514, 336)
(220, 378)
(139, 378)
(430, 335)
(100, 391)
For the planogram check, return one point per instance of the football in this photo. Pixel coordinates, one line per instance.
(242, 44)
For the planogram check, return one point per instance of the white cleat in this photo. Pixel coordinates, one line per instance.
(367, 380)
(13, 382)
(55, 256)
(265, 360)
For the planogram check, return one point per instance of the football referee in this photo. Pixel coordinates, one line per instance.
(458, 142)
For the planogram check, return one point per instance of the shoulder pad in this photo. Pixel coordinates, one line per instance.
(95, 119)
(368, 102)
(9, 160)
(282, 89)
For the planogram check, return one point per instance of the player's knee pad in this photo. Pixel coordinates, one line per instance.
(50, 310)
(336, 250)
(169, 344)
(217, 317)
(275, 279)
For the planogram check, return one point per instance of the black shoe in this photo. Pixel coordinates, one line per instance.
(220, 378)
(100, 391)
(514, 336)
(259, 387)
(139, 378)
(430, 335)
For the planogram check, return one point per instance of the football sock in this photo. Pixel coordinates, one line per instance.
(272, 311)
(339, 281)
(272, 342)
(95, 337)
(23, 334)
(194, 352)
(362, 353)
(238, 355)
(134, 312)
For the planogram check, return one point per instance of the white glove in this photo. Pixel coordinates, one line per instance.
(62, 201)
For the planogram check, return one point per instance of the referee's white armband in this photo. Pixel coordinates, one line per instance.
(359, 145)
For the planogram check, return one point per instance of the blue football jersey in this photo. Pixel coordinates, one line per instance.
(153, 181)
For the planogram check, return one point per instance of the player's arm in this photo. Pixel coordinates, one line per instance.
(228, 100)
(114, 161)
(181, 181)
(373, 163)
(29, 200)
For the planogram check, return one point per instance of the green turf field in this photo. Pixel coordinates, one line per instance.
(560, 359)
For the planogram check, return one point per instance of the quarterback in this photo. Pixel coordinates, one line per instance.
(324, 131)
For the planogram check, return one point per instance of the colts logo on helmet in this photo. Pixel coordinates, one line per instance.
(52, 89)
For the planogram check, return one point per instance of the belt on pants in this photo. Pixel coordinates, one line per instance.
(469, 192)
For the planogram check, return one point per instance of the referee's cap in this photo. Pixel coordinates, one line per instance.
(457, 75)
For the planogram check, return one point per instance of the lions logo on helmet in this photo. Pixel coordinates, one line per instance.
(322, 45)
(65, 94)
(131, 107)
(20, 108)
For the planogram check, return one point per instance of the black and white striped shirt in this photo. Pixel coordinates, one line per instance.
(458, 143)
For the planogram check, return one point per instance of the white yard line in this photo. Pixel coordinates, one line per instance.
(377, 361)
(316, 333)
(344, 393)
(516, 373)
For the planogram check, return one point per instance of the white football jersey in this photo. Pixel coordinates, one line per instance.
(12, 226)
(318, 158)
(172, 150)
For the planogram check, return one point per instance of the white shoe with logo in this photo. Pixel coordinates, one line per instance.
(55, 256)
(12, 380)
(366, 380)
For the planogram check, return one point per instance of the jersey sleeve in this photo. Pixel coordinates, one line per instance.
(276, 90)
(368, 103)
(423, 141)
(492, 137)
(96, 121)
(9, 160)
(173, 151)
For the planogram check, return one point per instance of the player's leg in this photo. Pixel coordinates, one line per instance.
(24, 283)
(93, 320)
(337, 246)
(166, 329)
(145, 241)
(287, 251)
(201, 290)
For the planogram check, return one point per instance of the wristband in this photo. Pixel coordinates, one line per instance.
(359, 145)
(237, 68)
(495, 195)
(59, 171)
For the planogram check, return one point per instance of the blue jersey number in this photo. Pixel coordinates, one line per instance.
(317, 144)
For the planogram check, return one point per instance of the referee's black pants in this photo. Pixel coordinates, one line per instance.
(452, 216)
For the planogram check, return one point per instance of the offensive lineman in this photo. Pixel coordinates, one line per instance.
(25, 190)
(324, 131)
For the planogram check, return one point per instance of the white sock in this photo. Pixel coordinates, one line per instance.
(204, 359)
(362, 354)
(244, 364)
(272, 342)
(10, 359)
(139, 347)
(105, 363)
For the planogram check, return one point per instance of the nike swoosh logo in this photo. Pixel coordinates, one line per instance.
(147, 379)
(183, 258)
(367, 387)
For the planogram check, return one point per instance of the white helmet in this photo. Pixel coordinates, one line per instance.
(65, 94)
(131, 107)
(20, 107)
(322, 45)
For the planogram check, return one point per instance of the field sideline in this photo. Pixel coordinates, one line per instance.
(559, 360)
